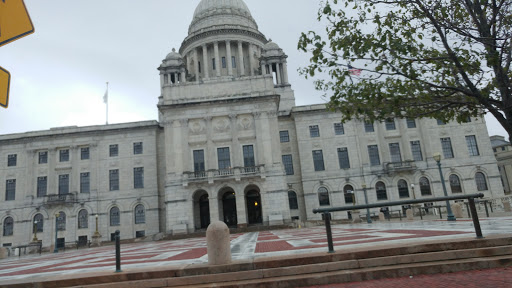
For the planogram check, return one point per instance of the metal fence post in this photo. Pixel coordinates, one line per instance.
(486, 209)
(476, 222)
(327, 219)
(118, 251)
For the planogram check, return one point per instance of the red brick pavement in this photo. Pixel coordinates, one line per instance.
(491, 278)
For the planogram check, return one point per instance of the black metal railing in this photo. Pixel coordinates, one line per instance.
(327, 211)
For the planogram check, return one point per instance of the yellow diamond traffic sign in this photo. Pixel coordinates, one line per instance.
(5, 79)
(15, 22)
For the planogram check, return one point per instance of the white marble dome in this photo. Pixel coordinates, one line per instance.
(211, 13)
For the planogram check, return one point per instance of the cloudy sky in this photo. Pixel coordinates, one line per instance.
(58, 74)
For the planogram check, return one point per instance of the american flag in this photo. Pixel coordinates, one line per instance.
(354, 71)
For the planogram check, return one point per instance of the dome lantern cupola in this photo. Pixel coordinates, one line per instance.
(172, 70)
(273, 59)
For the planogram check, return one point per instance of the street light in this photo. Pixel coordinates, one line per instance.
(412, 188)
(55, 250)
(368, 219)
(437, 158)
(96, 234)
(35, 232)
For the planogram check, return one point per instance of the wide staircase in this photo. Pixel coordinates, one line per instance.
(301, 270)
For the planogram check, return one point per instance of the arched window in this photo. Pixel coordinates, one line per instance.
(425, 187)
(455, 184)
(292, 200)
(403, 189)
(38, 221)
(323, 196)
(83, 219)
(348, 191)
(140, 214)
(380, 189)
(481, 183)
(8, 226)
(114, 217)
(61, 221)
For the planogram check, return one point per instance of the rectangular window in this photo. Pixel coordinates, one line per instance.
(64, 155)
(42, 186)
(213, 64)
(284, 136)
(43, 157)
(138, 148)
(343, 158)
(248, 151)
(113, 179)
(113, 150)
(440, 122)
(224, 159)
(373, 153)
(12, 160)
(138, 177)
(64, 184)
(416, 151)
(288, 164)
(411, 123)
(85, 182)
(314, 131)
(339, 129)
(394, 151)
(223, 62)
(198, 160)
(368, 126)
(390, 124)
(472, 146)
(446, 145)
(84, 153)
(233, 61)
(10, 190)
(318, 160)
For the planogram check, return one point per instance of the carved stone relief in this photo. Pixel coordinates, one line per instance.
(245, 122)
(221, 124)
(197, 126)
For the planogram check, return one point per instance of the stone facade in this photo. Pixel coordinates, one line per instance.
(503, 153)
(230, 145)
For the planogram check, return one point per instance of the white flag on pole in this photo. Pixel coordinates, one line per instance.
(105, 97)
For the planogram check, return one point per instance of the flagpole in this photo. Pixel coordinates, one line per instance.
(106, 102)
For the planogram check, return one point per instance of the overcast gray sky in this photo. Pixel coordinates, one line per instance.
(58, 74)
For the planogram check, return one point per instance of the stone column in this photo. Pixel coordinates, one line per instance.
(214, 208)
(251, 62)
(205, 64)
(241, 59)
(176, 78)
(263, 68)
(240, 209)
(183, 76)
(162, 79)
(217, 58)
(236, 145)
(228, 56)
(278, 74)
(177, 146)
(285, 73)
(196, 65)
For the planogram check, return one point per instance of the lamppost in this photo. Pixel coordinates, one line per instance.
(368, 219)
(437, 158)
(55, 250)
(97, 234)
(35, 232)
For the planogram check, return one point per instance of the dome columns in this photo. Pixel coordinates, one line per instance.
(273, 60)
(229, 58)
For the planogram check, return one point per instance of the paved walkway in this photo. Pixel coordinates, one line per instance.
(244, 246)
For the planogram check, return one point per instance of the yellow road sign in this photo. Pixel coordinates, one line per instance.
(5, 80)
(15, 22)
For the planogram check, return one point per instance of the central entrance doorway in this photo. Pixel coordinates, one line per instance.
(229, 208)
(253, 200)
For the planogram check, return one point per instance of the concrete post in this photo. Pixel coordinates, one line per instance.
(506, 207)
(409, 214)
(218, 243)
(457, 210)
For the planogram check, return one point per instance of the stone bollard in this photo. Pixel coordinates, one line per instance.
(506, 207)
(3, 253)
(382, 217)
(409, 214)
(218, 243)
(457, 210)
(356, 217)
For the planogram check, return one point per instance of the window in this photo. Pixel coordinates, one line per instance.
(472, 146)
(42, 186)
(224, 158)
(323, 197)
(113, 150)
(416, 151)
(8, 226)
(198, 160)
(314, 131)
(137, 148)
(467, 120)
(199, 66)
(440, 122)
(10, 190)
(394, 151)
(373, 153)
(425, 187)
(39, 221)
(114, 180)
(288, 164)
(348, 191)
(248, 151)
(140, 214)
(140, 234)
(84, 153)
(411, 123)
(233, 61)
(318, 160)
(115, 217)
(63, 184)
(138, 177)
(223, 62)
(283, 136)
(292, 200)
(455, 184)
(83, 219)
(339, 129)
(61, 221)
(12, 160)
(85, 182)
(343, 158)
(380, 189)
(403, 189)
(390, 124)
(213, 64)
(446, 145)
(481, 184)
(368, 126)
(43, 157)
(64, 155)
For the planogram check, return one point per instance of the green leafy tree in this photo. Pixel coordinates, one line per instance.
(443, 59)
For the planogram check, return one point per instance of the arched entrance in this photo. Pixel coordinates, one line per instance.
(201, 210)
(253, 201)
(229, 208)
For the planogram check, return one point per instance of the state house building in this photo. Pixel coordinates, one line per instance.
(229, 145)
